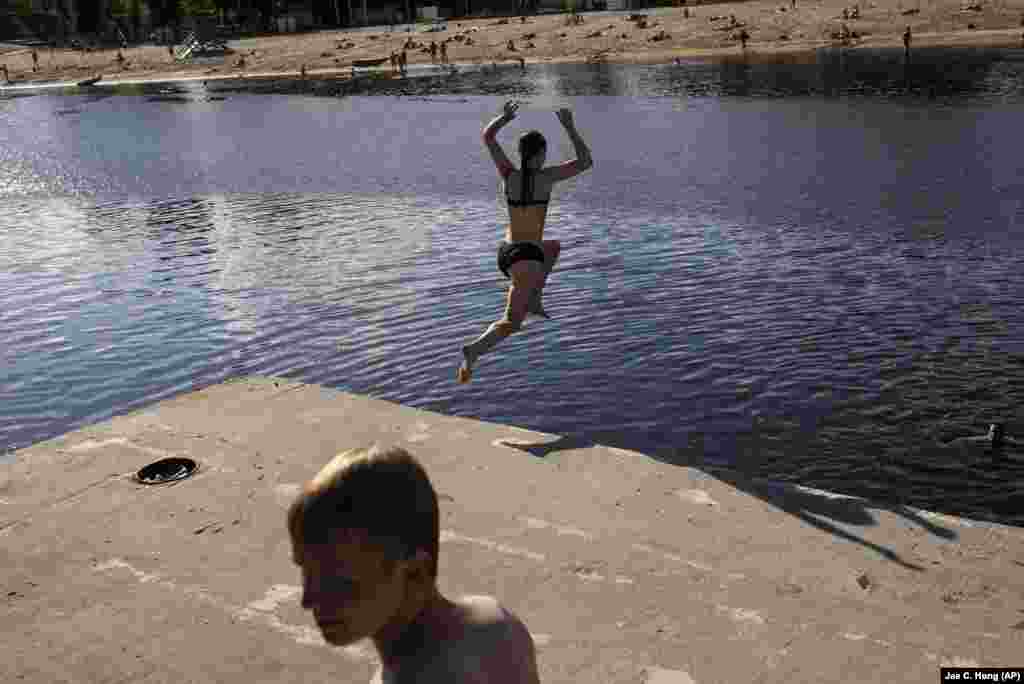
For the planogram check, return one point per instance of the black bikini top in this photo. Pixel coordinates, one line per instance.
(527, 190)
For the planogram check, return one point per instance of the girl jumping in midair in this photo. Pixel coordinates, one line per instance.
(524, 256)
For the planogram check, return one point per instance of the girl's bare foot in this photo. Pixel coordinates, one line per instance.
(466, 369)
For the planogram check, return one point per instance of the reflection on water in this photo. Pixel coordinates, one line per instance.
(809, 288)
(929, 73)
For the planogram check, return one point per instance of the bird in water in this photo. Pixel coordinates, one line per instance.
(994, 443)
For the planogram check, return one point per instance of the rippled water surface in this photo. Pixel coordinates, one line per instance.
(804, 277)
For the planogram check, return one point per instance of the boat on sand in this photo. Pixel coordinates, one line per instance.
(376, 61)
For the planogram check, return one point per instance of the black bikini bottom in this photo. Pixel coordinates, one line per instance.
(511, 252)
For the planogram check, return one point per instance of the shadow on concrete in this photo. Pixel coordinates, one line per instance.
(826, 511)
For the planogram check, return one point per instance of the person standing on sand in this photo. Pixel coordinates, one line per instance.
(365, 534)
(35, 60)
(444, 52)
(7, 76)
(906, 40)
(524, 256)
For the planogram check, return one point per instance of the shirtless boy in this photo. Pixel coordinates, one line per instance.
(365, 533)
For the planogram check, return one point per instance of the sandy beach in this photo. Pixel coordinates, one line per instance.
(776, 29)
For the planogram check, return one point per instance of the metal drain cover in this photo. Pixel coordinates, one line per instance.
(166, 470)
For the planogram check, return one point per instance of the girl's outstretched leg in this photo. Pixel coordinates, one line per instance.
(498, 331)
(515, 312)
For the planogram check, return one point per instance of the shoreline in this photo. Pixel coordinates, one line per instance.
(699, 35)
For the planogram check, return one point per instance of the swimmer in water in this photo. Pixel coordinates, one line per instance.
(524, 256)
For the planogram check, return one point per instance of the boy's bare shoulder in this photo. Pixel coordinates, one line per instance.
(493, 647)
(498, 646)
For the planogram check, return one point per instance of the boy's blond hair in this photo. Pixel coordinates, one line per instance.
(382, 492)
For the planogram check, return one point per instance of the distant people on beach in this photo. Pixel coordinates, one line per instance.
(35, 60)
(365, 534)
(444, 52)
(906, 40)
(7, 76)
(433, 51)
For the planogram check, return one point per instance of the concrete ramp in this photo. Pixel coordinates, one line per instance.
(624, 568)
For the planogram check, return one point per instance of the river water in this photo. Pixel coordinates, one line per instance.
(808, 271)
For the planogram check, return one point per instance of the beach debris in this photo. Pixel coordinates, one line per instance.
(529, 36)
(971, 7)
(864, 581)
(910, 11)
(661, 35)
(595, 34)
(501, 22)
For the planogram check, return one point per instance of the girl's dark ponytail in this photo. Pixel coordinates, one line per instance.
(529, 145)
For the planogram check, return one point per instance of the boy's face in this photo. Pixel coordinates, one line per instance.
(347, 586)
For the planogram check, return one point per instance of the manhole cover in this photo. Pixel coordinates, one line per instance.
(166, 470)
